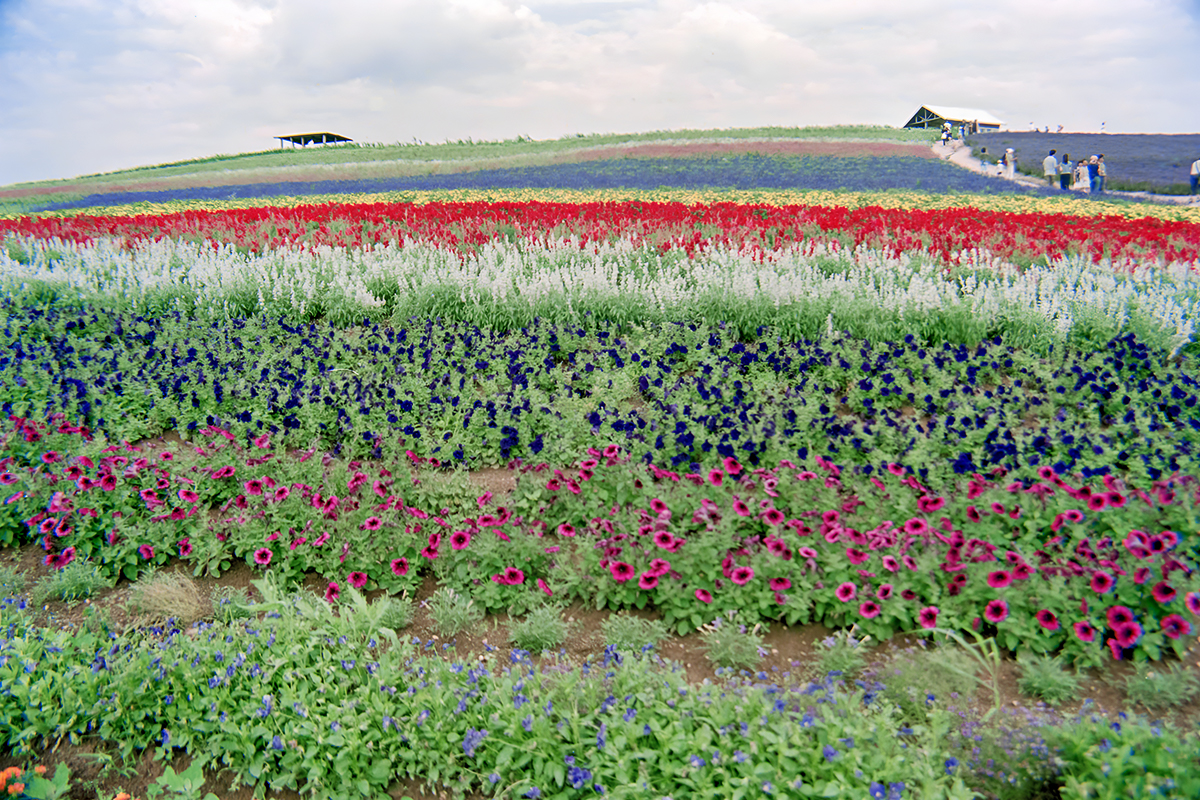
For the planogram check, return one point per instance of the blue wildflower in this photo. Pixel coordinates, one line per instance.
(951, 763)
(472, 741)
(830, 752)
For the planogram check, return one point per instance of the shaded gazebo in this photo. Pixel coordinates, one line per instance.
(975, 119)
(305, 139)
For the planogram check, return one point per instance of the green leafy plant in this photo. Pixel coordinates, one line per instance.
(395, 612)
(12, 581)
(452, 612)
(1047, 678)
(843, 653)
(916, 679)
(187, 784)
(543, 628)
(1159, 686)
(40, 787)
(78, 580)
(728, 644)
(633, 634)
(230, 603)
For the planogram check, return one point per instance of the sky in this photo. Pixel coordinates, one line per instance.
(90, 86)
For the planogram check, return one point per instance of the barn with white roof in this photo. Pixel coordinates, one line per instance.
(934, 116)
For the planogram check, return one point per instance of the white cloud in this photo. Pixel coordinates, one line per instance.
(92, 85)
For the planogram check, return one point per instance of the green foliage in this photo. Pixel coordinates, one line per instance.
(169, 595)
(78, 580)
(12, 581)
(919, 679)
(543, 628)
(843, 653)
(395, 612)
(1160, 686)
(1047, 678)
(187, 784)
(729, 644)
(452, 612)
(633, 634)
(231, 603)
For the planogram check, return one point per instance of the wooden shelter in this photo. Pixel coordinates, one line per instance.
(305, 139)
(975, 119)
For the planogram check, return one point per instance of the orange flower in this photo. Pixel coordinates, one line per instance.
(16, 788)
(40, 769)
(122, 796)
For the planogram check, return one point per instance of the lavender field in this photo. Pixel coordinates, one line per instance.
(1136, 161)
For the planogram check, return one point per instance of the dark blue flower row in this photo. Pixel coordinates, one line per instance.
(687, 394)
(866, 173)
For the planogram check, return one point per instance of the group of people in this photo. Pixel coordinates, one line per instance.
(1086, 174)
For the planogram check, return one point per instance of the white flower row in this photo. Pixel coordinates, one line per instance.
(567, 280)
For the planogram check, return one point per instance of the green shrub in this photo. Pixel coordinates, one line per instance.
(1159, 687)
(728, 644)
(542, 629)
(843, 653)
(74, 582)
(1046, 678)
(633, 634)
(452, 612)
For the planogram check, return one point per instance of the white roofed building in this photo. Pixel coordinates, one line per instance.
(935, 116)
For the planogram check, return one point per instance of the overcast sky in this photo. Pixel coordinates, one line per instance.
(95, 85)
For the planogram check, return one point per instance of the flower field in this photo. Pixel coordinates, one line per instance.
(977, 422)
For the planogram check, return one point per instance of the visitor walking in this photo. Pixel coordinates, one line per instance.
(1093, 171)
(1050, 168)
(1010, 164)
(1101, 174)
(1195, 175)
(1064, 172)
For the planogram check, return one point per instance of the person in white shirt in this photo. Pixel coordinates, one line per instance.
(1010, 164)
(1195, 175)
(1050, 168)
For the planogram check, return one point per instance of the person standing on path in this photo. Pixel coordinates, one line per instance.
(1195, 175)
(1064, 172)
(1101, 174)
(1010, 164)
(1092, 171)
(1050, 168)
(1082, 182)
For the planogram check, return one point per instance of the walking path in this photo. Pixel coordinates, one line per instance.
(960, 155)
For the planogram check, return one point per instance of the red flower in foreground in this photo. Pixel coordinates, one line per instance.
(262, 556)
(869, 609)
(544, 587)
(704, 596)
(1128, 633)
(331, 591)
(780, 584)
(846, 592)
(999, 579)
(185, 548)
(742, 575)
(620, 571)
(996, 611)
(400, 567)
(513, 576)
(1085, 632)
(357, 579)
(1102, 582)
(1163, 592)
(1175, 626)
(927, 616)
(146, 551)
(1192, 601)
(1119, 615)
(1047, 620)
(460, 539)
(648, 580)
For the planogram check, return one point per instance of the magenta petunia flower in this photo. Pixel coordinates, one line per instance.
(927, 617)
(869, 609)
(999, 579)
(732, 466)
(357, 579)
(1085, 632)
(740, 508)
(884, 592)
(716, 477)
(620, 571)
(429, 552)
(846, 592)
(704, 596)
(1163, 592)
(1127, 634)
(780, 584)
(1175, 626)
(648, 580)
(742, 575)
(660, 566)
(996, 611)
(253, 486)
(1022, 572)
(544, 587)
(1102, 582)
(1114, 647)
(1119, 615)
(146, 551)
(185, 548)
(187, 496)
(916, 526)
(772, 516)
(890, 563)
(513, 576)
(1141, 575)
(331, 591)
(400, 567)
(371, 524)
(459, 540)
(1192, 601)
(664, 539)
(856, 556)
(1047, 620)
(262, 556)
(566, 529)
